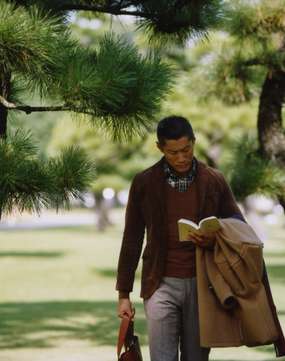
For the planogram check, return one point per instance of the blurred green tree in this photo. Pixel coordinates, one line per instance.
(243, 63)
(251, 63)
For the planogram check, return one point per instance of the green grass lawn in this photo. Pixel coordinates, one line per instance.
(57, 299)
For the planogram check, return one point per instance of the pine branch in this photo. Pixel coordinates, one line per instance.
(255, 61)
(54, 182)
(28, 109)
(107, 9)
(259, 61)
(32, 41)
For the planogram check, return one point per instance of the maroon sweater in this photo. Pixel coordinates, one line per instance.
(180, 259)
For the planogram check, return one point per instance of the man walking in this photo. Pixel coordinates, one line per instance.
(178, 186)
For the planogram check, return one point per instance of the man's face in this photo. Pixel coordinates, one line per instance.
(178, 153)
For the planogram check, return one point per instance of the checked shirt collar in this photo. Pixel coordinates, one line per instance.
(181, 183)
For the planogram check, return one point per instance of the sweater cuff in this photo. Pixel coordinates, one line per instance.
(124, 294)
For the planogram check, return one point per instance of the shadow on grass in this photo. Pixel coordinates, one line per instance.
(43, 324)
(276, 272)
(41, 254)
(111, 272)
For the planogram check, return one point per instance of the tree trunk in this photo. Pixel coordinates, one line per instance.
(271, 134)
(102, 210)
(5, 87)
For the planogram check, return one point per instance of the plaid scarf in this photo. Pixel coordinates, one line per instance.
(181, 183)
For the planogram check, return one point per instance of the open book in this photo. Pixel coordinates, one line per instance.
(206, 225)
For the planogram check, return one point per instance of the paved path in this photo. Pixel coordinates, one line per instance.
(52, 219)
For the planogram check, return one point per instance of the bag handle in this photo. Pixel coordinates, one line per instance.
(125, 326)
(122, 334)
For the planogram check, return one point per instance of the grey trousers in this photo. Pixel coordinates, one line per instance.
(172, 321)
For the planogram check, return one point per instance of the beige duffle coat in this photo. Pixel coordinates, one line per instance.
(233, 305)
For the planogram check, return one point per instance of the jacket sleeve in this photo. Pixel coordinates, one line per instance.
(228, 207)
(132, 240)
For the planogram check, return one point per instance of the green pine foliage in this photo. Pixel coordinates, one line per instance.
(120, 88)
(71, 172)
(29, 183)
(162, 20)
(115, 85)
(249, 173)
(30, 41)
(256, 20)
(175, 21)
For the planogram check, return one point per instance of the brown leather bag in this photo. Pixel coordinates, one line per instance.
(129, 340)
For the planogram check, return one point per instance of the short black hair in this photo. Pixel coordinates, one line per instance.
(174, 127)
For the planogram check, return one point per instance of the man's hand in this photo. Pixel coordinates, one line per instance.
(125, 308)
(203, 240)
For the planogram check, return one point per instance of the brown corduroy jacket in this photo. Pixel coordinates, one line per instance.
(146, 209)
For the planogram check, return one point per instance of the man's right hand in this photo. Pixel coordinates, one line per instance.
(203, 240)
(125, 308)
